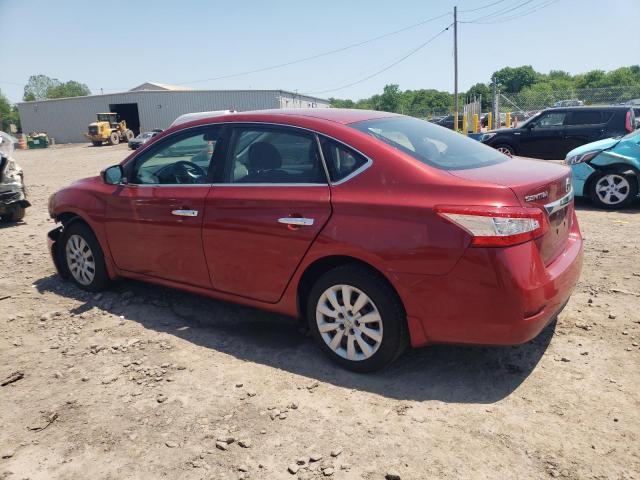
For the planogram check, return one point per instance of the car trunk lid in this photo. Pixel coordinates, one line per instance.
(542, 184)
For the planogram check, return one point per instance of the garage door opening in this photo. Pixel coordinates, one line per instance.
(129, 113)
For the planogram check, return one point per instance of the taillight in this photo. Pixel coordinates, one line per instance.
(497, 226)
(628, 124)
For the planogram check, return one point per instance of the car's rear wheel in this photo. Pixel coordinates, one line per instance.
(506, 149)
(357, 318)
(613, 189)
(82, 258)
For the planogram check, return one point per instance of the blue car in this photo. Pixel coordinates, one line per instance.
(607, 171)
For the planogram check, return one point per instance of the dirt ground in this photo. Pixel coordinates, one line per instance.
(143, 382)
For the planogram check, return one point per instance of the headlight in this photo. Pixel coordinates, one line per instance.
(583, 157)
(487, 136)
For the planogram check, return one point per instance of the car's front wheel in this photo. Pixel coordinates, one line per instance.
(612, 189)
(357, 318)
(82, 258)
(506, 149)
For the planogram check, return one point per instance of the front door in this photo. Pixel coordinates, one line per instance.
(266, 212)
(154, 222)
(543, 137)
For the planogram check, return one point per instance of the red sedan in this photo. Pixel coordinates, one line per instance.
(377, 229)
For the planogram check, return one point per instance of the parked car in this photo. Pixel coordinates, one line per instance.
(607, 171)
(484, 120)
(378, 229)
(447, 122)
(569, 103)
(13, 193)
(190, 117)
(552, 133)
(141, 139)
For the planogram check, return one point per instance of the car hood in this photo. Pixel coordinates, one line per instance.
(604, 144)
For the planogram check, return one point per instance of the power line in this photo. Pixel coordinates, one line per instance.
(319, 55)
(396, 62)
(481, 8)
(498, 12)
(522, 14)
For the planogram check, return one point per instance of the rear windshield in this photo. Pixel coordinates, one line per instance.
(431, 144)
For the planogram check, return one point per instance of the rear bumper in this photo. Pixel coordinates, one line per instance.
(494, 296)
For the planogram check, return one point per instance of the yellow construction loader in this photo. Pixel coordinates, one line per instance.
(109, 129)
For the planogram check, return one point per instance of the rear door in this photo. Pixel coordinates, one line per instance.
(584, 126)
(154, 222)
(266, 211)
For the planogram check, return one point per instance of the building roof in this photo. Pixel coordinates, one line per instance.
(157, 86)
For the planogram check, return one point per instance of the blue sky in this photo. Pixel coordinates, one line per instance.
(115, 46)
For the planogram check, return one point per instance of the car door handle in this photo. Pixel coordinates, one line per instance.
(296, 221)
(184, 213)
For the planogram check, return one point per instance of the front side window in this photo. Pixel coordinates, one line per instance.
(551, 119)
(183, 159)
(430, 144)
(274, 155)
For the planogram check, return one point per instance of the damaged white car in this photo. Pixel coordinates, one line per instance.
(13, 194)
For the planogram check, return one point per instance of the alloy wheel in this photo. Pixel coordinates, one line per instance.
(80, 260)
(505, 150)
(612, 189)
(349, 322)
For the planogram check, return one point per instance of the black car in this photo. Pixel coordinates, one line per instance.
(143, 138)
(552, 133)
(447, 122)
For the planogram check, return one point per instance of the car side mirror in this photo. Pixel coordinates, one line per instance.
(114, 175)
(530, 126)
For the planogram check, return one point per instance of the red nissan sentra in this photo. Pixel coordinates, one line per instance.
(378, 229)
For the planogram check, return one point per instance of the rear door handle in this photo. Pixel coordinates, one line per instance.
(185, 213)
(297, 221)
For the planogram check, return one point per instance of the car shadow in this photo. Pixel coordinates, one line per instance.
(584, 204)
(456, 374)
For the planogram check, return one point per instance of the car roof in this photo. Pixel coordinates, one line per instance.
(344, 116)
(590, 107)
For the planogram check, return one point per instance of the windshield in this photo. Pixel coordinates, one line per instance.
(146, 135)
(431, 144)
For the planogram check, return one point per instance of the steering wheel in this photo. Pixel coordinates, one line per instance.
(184, 172)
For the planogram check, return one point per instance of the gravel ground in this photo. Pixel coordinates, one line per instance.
(143, 382)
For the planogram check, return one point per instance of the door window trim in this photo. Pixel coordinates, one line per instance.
(227, 126)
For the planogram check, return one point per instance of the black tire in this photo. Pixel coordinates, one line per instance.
(97, 144)
(128, 135)
(114, 138)
(100, 279)
(17, 213)
(505, 148)
(621, 198)
(383, 297)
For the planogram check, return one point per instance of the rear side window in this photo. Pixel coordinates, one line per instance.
(587, 118)
(428, 143)
(341, 161)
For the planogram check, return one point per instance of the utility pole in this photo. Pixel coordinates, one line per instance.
(455, 67)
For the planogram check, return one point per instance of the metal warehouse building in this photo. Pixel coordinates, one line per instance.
(148, 106)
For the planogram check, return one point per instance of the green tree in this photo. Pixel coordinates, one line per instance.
(68, 89)
(8, 114)
(391, 99)
(42, 87)
(513, 80)
(38, 86)
(483, 91)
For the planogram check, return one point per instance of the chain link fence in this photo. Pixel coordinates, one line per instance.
(533, 101)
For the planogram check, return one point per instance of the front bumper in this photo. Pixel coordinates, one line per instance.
(13, 196)
(493, 296)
